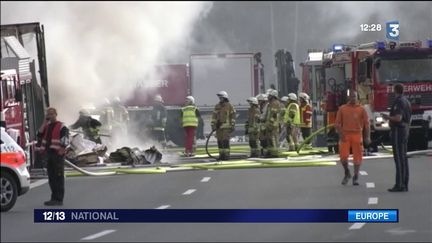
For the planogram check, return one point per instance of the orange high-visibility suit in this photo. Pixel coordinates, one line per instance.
(351, 119)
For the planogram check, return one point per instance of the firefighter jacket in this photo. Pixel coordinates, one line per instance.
(54, 137)
(272, 116)
(89, 126)
(306, 116)
(223, 116)
(252, 125)
(159, 117)
(190, 116)
(292, 109)
(121, 115)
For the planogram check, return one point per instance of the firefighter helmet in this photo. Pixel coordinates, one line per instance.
(292, 96)
(223, 94)
(116, 100)
(158, 98)
(273, 93)
(84, 112)
(262, 97)
(191, 99)
(253, 100)
(304, 96)
(284, 99)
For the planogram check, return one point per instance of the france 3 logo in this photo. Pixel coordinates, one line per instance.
(392, 30)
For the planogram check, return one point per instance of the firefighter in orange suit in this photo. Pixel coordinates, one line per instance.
(352, 124)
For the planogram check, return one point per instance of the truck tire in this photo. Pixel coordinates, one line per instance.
(9, 191)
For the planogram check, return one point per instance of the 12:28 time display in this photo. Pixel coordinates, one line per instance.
(370, 27)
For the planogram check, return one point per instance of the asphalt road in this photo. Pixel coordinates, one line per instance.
(288, 188)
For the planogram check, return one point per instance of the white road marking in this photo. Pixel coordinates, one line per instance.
(350, 163)
(205, 179)
(373, 200)
(38, 183)
(363, 173)
(188, 192)
(356, 226)
(370, 185)
(97, 235)
(210, 169)
(163, 207)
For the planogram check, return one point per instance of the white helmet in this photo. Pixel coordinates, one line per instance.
(191, 99)
(268, 91)
(284, 99)
(304, 96)
(253, 100)
(292, 96)
(273, 93)
(84, 112)
(223, 94)
(158, 98)
(116, 100)
(261, 97)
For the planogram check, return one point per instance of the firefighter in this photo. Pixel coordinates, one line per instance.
(190, 116)
(271, 124)
(305, 118)
(262, 135)
(120, 118)
(352, 124)
(54, 139)
(292, 122)
(223, 121)
(159, 120)
(252, 126)
(90, 126)
(284, 105)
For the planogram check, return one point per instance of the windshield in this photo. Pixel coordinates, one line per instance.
(405, 70)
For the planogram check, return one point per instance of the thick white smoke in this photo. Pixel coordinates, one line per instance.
(101, 49)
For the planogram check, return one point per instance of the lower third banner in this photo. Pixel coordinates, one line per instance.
(215, 215)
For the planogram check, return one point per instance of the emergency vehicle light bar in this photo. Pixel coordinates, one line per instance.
(338, 47)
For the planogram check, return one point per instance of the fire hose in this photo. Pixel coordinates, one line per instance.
(206, 145)
(85, 172)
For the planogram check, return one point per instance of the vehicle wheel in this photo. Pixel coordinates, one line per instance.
(9, 191)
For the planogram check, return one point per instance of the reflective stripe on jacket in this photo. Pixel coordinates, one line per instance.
(189, 116)
(292, 107)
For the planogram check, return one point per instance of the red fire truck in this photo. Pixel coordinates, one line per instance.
(24, 85)
(372, 69)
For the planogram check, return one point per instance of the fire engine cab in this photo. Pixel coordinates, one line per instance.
(372, 69)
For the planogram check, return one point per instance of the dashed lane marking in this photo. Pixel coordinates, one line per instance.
(356, 226)
(188, 192)
(373, 200)
(363, 173)
(205, 179)
(97, 235)
(370, 185)
(163, 207)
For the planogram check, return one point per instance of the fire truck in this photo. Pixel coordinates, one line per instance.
(240, 74)
(372, 69)
(24, 84)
